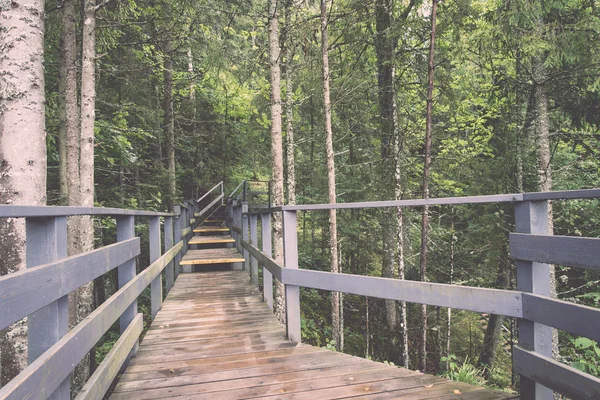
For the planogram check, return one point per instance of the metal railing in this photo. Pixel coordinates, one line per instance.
(40, 291)
(531, 246)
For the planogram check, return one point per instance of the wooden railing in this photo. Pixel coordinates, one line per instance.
(531, 246)
(40, 292)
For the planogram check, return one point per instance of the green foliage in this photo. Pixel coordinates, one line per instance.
(586, 356)
(462, 371)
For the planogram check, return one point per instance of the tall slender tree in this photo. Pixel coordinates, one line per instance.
(333, 241)
(22, 147)
(425, 187)
(276, 148)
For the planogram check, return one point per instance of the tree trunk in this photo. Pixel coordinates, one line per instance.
(335, 296)
(168, 125)
(276, 151)
(449, 310)
(403, 334)
(426, 173)
(495, 322)
(22, 149)
(289, 106)
(84, 232)
(541, 125)
(68, 133)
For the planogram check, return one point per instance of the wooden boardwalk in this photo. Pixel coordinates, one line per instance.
(216, 339)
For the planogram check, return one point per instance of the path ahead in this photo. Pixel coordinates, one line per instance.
(216, 339)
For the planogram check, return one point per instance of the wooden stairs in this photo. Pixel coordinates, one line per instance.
(212, 245)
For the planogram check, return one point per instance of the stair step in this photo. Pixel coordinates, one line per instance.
(211, 239)
(211, 256)
(211, 229)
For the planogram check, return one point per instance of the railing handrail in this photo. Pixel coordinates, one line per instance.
(236, 189)
(220, 184)
(18, 211)
(536, 311)
(438, 201)
(40, 292)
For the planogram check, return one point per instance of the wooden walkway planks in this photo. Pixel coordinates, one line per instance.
(211, 239)
(216, 339)
(211, 256)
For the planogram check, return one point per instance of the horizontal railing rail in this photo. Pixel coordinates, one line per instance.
(531, 303)
(39, 292)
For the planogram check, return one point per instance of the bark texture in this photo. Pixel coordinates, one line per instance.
(22, 148)
(333, 250)
(426, 175)
(276, 150)
(289, 105)
(168, 125)
(84, 232)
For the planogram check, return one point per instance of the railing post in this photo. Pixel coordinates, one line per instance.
(156, 285)
(125, 273)
(253, 242)
(267, 248)
(184, 223)
(532, 217)
(177, 238)
(244, 226)
(292, 292)
(169, 270)
(46, 240)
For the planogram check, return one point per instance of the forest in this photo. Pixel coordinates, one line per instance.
(141, 104)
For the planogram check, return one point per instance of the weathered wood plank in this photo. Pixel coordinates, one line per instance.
(186, 231)
(211, 256)
(498, 198)
(210, 229)
(571, 251)
(211, 239)
(28, 290)
(266, 261)
(494, 301)
(43, 376)
(99, 383)
(554, 375)
(12, 211)
(573, 318)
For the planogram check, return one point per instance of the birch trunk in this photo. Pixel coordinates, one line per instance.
(83, 232)
(426, 174)
(289, 106)
(22, 148)
(541, 124)
(168, 125)
(276, 150)
(335, 296)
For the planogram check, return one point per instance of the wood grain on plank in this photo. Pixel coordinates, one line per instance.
(216, 338)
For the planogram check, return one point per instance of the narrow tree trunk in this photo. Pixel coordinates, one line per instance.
(276, 150)
(451, 273)
(341, 263)
(335, 297)
(84, 228)
(168, 125)
(403, 334)
(289, 105)
(544, 169)
(22, 149)
(426, 173)
(495, 322)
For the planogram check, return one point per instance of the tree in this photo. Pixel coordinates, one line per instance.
(333, 241)
(289, 48)
(22, 148)
(425, 187)
(276, 148)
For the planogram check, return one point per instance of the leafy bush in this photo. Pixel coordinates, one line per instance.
(463, 372)
(587, 358)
